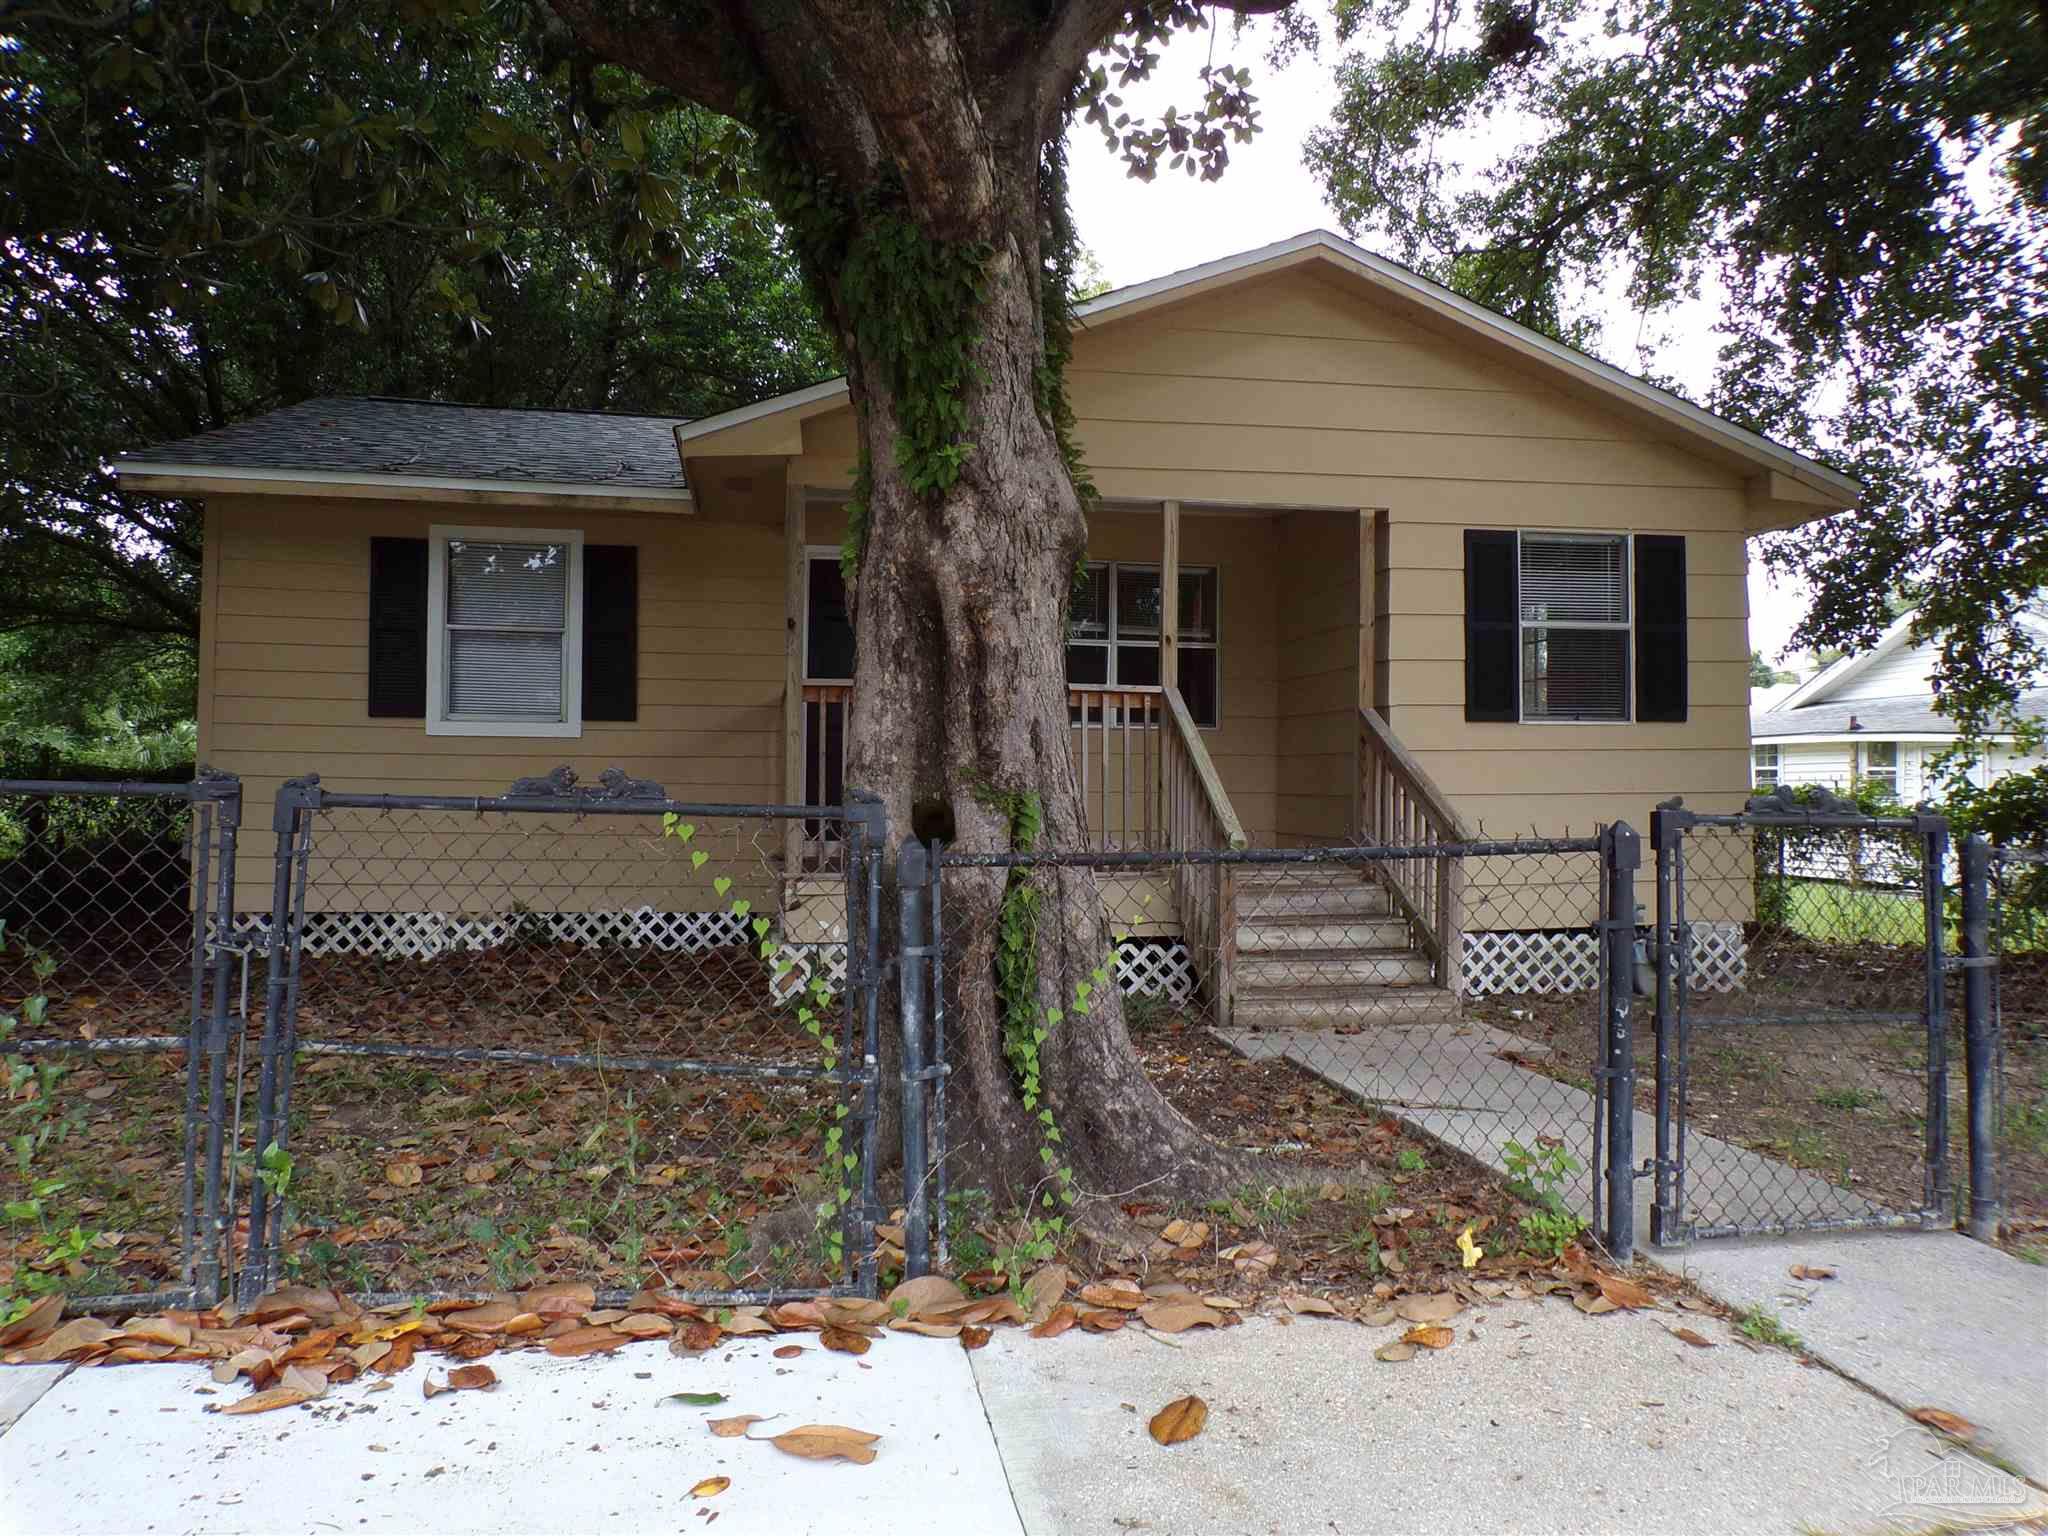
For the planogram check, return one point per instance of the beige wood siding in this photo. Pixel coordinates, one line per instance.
(285, 671)
(1319, 675)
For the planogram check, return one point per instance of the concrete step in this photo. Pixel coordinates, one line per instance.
(1333, 968)
(1314, 1007)
(1261, 934)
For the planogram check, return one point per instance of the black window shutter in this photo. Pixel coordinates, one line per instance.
(611, 632)
(1491, 628)
(398, 629)
(1660, 627)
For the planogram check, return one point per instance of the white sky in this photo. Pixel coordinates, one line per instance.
(1139, 230)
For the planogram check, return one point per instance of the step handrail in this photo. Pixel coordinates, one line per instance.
(1399, 805)
(1199, 815)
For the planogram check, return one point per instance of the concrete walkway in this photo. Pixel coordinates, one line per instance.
(1457, 1082)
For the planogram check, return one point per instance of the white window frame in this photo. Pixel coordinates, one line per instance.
(1891, 774)
(1628, 626)
(438, 721)
(1111, 641)
(1757, 768)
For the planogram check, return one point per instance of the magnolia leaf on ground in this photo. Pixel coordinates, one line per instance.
(734, 1427)
(972, 1337)
(1181, 1419)
(825, 1442)
(917, 1326)
(584, 1341)
(1438, 1308)
(1104, 1320)
(1178, 1316)
(562, 1299)
(405, 1172)
(471, 1378)
(1593, 1306)
(299, 1378)
(1126, 1294)
(1315, 1306)
(267, 1399)
(1622, 1291)
(914, 1297)
(1058, 1322)
(644, 1325)
(694, 1337)
(1430, 1336)
(789, 1351)
(491, 1317)
(710, 1487)
(38, 1320)
(1045, 1290)
(80, 1333)
(1695, 1339)
(696, 1399)
(845, 1341)
(1948, 1423)
(1812, 1272)
(1395, 1351)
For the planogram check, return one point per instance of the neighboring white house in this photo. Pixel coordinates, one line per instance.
(1871, 718)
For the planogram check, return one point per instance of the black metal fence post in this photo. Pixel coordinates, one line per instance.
(224, 790)
(1980, 1037)
(1667, 832)
(1622, 855)
(913, 878)
(1939, 1207)
(295, 799)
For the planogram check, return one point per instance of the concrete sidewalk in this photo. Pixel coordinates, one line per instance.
(1537, 1419)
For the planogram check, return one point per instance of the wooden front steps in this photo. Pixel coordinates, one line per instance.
(1318, 945)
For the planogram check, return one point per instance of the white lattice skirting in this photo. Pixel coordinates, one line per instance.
(1569, 961)
(1144, 967)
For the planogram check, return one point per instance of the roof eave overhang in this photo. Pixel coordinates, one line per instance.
(199, 480)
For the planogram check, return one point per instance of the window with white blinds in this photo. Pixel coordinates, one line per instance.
(505, 616)
(1574, 596)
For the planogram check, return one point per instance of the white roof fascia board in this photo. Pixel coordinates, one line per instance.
(1815, 689)
(826, 393)
(340, 478)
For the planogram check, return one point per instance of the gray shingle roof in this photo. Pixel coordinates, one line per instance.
(1911, 715)
(379, 436)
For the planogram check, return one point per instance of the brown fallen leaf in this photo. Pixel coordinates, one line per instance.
(1061, 1319)
(710, 1487)
(845, 1341)
(1690, 1336)
(1178, 1316)
(1430, 1336)
(824, 1442)
(491, 1317)
(1622, 1291)
(76, 1336)
(563, 1298)
(269, 1398)
(1045, 1290)
(923, 1329)
(789, 1351)
(37, 1321)
(405, 1172)
(695, 1336)
(1314, 1306)
(585, 1341)
(400, 1357)
(471, 1378)
(479, 1173)
(1812, 1272)
(733, 1428)
(1395, 1351)
(1104, 1320)
(1439, 1308)
(972, 1337)
(644, 1325)
(1948, 1423)
(914, 1297)
(1125, 1294)
(1181, 1419)
(1594, 1306)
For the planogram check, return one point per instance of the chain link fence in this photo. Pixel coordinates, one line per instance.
(1309, 965)
(1804, 1038)
(565, 1032)
(2018, 1038)
(113, 1036)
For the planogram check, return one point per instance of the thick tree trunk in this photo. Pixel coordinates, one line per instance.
(960, 707)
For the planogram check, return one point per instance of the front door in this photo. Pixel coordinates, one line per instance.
(828, 677)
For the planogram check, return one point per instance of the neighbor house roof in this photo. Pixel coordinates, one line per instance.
(1820, 488)
(423, 446)
(1878, 719)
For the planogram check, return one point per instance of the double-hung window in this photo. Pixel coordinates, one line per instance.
(1763, 767)
(1877, 762)
(504, 632)
(1113, 633)
(1575, 626)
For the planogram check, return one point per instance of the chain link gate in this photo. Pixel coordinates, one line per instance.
(1800, 992)
(709, 953)
(110, 939)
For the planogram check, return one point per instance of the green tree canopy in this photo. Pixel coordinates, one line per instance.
(223, 207)
(1863, 186)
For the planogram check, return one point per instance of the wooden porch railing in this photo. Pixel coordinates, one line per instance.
(1117, 744)
(825, 709)
(1399, 806)
(1198, 815)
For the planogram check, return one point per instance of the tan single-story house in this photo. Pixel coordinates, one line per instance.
(1429, 567)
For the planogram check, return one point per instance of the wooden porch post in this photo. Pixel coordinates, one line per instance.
(1169, 594)
(794, 596)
